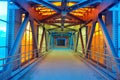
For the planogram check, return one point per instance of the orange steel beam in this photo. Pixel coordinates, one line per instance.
(54, 25)
(75, 17)
(78, 24)
(59, 21)
(27, 7)
(81, 5)
(102, 7)
(93, 15)
(47, 4)
(50, 17)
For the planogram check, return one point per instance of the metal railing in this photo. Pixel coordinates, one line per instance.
(16, 59)
(104, 60)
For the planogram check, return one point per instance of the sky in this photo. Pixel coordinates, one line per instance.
(3, 15)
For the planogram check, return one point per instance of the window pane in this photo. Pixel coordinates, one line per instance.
(2, 33)
(31, 42)
(40, 30)
(27, 37)
(3, 10)
(2, 52)
(2, 55)
(3, 16)
(23, 40)
(27, 41)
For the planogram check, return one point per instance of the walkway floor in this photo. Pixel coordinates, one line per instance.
(61, 65)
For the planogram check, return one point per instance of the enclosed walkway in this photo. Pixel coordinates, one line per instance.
(59, 39)
(59, 65)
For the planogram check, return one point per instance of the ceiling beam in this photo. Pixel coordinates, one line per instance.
(75, 17)
(106, 4)
(49, 17)
(62, 22)
(52, 29)
(24, 5)
(71, 29)
(72, 25)
(46, 4)
(64, 4)
(78, 24)
(59, 21)
(64, 7)
(83, 4)
(54, 25)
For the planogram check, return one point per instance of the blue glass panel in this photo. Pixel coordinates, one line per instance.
(2, 54)
(3, 24)
(3, 10)
(3, 33)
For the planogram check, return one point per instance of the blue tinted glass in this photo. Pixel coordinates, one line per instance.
(2, 52)
(3, 33)
(0, 65)
(2, 55)
(3, 17)
(3, 10)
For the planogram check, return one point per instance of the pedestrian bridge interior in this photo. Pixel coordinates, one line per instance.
(59, 40)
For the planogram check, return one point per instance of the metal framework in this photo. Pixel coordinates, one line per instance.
(90, 38)
(34, 36)
(108, 40)
(41, 42)
(81, 39)
(62, 17)
(16, 44)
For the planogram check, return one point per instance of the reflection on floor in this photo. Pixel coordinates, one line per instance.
(61, 65)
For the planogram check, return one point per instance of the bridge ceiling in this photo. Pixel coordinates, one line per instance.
(64, 12)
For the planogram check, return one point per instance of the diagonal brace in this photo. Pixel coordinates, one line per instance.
(108, 41)
(90, 39)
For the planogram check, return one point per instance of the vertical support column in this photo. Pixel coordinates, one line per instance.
(41, 43)
(115, 30)
(50, 40)
(18, 40)
(69, 41)
(19, 36)
(77, 42)
(74, 41)
(119, 32)
(72, 44)
(48, 43)
(46, 40)
(10, 28)
(34, 36)
(90, 39)
(81, 39)
(108, 40)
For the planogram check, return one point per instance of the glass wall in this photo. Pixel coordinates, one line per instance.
(83, 31)
(40, 31)
(97, 46)
(3, 26)
(27, 45)
(84, 36)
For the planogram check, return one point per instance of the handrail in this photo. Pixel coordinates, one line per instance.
(18, 57)
(108, 65)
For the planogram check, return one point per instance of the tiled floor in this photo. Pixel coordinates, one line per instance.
(61, 65)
